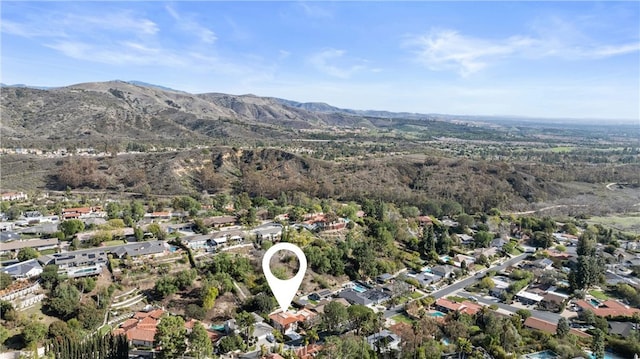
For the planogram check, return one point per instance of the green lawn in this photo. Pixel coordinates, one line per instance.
(625, 223)
(114, 243)
(401, 318)
(103, 330)
(456, 299)
(415, 295)
(598, 294)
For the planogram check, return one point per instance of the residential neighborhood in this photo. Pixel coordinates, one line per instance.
(197, 269)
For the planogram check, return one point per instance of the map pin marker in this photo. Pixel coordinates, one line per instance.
(284, 290)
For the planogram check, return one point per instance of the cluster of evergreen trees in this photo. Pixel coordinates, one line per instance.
(94, 347)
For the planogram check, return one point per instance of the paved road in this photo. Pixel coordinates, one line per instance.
(470, 280)
(459, 285)
(548, 316)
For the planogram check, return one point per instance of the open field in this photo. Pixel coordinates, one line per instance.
(629, 223)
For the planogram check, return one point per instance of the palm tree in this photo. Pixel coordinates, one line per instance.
(312, 335)
(464, 347)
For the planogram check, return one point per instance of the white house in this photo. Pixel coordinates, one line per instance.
(384, 341)
(24, 270)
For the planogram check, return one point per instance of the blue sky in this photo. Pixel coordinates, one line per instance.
(535, 59)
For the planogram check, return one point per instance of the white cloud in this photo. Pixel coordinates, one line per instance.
(445, 49)
(188, 24)
(314, 10)
(332, 62)
(125, 53)
(120, 21)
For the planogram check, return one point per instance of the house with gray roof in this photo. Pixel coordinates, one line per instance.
(198, 241)
(23, 270)
(384, 341)
(7, 236)
(37, 244)
(81, 258)
(146, 249)
(354, 297)
(269, 233)
(443, 271)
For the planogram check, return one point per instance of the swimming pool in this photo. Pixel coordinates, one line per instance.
(437, 314)
(607, 355)
(218, 327)
(547, 354)
(595, 303)
(359, 289)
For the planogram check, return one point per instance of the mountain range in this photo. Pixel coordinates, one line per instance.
(119, 110)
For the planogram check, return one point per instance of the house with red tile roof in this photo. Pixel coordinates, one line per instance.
(141, 328)
(445, 305)
(308, 352)
(141, 337)
(284, 321)
(550, 328)
(608, 308)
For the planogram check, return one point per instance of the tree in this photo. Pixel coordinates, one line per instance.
(245, 322)
(170, 337)
(90, 315)
(93, 346)
(4, 335)
(138, 233)
(64, 300)
(230, 343)
(194, 311)
(33, 333)
(542, 239)
(165, 286)
(428, 240)
(523, 313)
(27, 253)
(157, 231)
(209, 295)
(563, 327)
(465, 220)
(487, 283)
(5, 280)
(59, 330)
(199, 343)
(587, 243)
(345, 347)
(482, 239)
(586, 273)
(200, 227)
(137, 210)
(70, 227)
(49, 276)
(335, 314)
(597, 344)
(7, 312)
(443, 245)
(184, 279)
(113, 210)
(361, 318)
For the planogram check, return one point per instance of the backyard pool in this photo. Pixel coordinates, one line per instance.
(359, 289)
(595, 303)
(218, 327)
(547, 354)
(437, 314)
